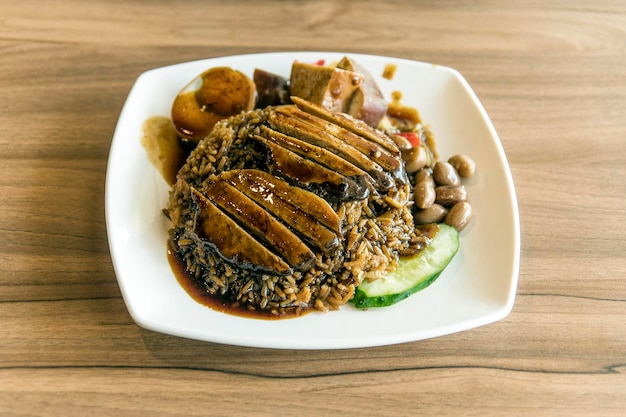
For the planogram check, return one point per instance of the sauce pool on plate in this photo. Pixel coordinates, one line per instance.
(199, 293)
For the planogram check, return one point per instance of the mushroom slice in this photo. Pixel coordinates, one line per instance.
(231, 242)
(316, 136)
(311, 175)
(255, 185)
(260, 223)
(347, 122)
(377, 153)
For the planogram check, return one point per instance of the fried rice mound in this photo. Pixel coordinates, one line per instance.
(375, 231)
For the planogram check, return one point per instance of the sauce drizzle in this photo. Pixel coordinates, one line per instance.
(199, 293)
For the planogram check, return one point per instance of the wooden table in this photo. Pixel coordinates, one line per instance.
(552, 76)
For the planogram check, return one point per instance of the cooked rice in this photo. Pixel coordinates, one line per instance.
(375, 231)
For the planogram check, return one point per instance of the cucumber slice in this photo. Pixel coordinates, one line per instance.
(413, 274)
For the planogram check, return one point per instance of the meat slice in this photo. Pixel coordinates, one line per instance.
(304, 200)
(350, 123)
(262, 190)
(231, 242)
(377, 153)
(260, 223)
(311, 175)
(367, 102)
(316, 136)
(314, 153)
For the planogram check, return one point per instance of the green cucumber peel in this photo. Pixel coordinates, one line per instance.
(413, 274)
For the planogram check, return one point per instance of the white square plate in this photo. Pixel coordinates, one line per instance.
(477, 288)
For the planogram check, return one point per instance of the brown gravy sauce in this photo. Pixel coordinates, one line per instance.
(389, 71)
(401, 112)
(163, 148)
(199, 294)
(197, 291)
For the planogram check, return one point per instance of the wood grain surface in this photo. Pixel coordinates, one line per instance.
(551, 75)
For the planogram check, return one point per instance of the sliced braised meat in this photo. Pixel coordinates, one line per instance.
(231, 242)
(373, 150)
(350, 123)
(260, 223)
(310, 175)
(304, 200)
(316, 136)
(313, 176)
(255, 185)
(314, 153)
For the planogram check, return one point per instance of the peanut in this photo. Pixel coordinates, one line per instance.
(434, 214)
(424, 193)
(459, 215)
(448, 195)
(463, 164)
(445, 174)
